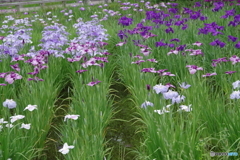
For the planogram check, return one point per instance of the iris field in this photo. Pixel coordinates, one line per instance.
(124, 80)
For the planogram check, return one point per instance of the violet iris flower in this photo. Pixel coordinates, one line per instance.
(217, 43)
(234, 59)
(148, 87)
(125, 21)
(193, 69)
(138, 62)
(231, 38)
(160, 44)
(185, 26)
(197, 4)
(35, 72)
(2, 75)
(175, 39)
(230, 72)
(169, 30)
(35, 79)
(81, 71)
(237, 45)
(10, 78)
(15, 67)
(209, 74)
(152, 70)
(122, 34)
(93, 83)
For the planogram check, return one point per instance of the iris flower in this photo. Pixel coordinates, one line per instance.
(164, 110)
(235, 95)
(17, 117)
(93, 83)
(146, 103)
(31, 107)
(65, 148)
(125, 21)
(236, 84)
(160, 88)
(9, 103)
(170, 94)
(185, 108)
(26, 126)
(184, 85)
(74, 117)
(10, 78)
(209, 74)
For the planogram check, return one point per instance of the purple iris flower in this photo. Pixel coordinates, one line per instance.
(197, 4)
(175, 39)
(195, 15)
(167, 74)
(203, 18)
(147, 35)
(169, 30)
(237, 45)
(179, 23)
(10, 78)
(93, 83)
(171, 45)
(209, 74)
(15, 67)
(229, 13)
(231, 38)
(125, 21)
(152, 70)
(36, 71)
(81, 71)
(174, 4)
(77, 58)
(152, 60)
(148, 87)
(185, 26)
(181, 47)
(160, 44)
(35, 79)
(230, 72)
(218, 6)
(177, 16)
(2, 75)
(232, 23)
(122, 35)
(138, 62)
(193, 69)
(215, 33)
(173, 10)
(234, 59)
(217, 43)
(170, 85)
